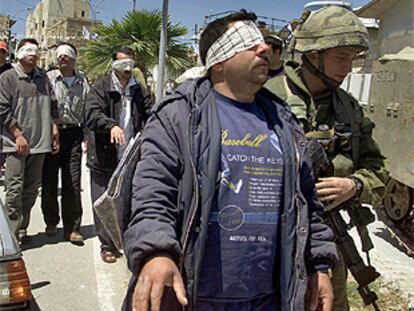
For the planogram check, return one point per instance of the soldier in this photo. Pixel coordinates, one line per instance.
(329, 40)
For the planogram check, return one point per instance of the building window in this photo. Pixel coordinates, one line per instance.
(43, 24)
(83, 14)
(36, 26)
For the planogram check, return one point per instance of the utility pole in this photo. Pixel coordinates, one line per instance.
(11, 22)
(163, 42)
(134, 2)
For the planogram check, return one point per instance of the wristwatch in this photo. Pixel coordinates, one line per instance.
(358, 187)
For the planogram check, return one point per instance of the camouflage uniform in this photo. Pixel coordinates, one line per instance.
(328, 28)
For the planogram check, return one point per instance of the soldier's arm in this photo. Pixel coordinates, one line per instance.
(372, 168)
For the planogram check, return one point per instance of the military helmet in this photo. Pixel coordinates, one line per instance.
(329, 27)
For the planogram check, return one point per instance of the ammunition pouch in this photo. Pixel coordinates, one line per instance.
(343, 165)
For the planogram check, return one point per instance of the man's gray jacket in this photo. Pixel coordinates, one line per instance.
(175, 182)
(29, 104)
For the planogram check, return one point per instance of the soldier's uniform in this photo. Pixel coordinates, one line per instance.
(359, 157)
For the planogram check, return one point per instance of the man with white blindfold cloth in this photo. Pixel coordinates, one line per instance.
(116, 109)
(70, 89)
(28, 118)
(224, 214)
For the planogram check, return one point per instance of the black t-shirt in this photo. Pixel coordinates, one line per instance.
(275, 72)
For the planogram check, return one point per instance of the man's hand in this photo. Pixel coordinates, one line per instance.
(320, 292)
(55, 139)
(335, 190)
(22, 146)
(157, 273)
(85, 146)
(117, 135)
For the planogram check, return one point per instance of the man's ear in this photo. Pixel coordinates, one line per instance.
(312, 56)
(217, 67)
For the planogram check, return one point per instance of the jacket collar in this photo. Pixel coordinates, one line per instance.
(112, 87)
(57, 75)
(22, 75)
(197, 91)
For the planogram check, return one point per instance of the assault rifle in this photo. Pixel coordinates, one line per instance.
(360, 217)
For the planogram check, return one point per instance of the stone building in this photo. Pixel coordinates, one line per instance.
(5, 24)
(54, 21)
(396, 24)
(74, 30)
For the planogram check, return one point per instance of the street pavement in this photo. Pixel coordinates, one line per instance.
(395, 266)
(67, 277)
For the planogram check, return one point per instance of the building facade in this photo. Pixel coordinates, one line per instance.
(53, 21)
(396, 29)
(74, 30)
(5, 24)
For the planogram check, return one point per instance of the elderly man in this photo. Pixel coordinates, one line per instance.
(28, 117)
(70, 89)
(224, 214)
(116, 109)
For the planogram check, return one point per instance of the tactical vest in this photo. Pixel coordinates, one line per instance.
(345, 106)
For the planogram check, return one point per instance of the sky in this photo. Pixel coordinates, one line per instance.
(186, 12)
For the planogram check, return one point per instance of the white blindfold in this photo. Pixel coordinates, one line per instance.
(123, 65)
(26, 50)
(66, 50)
(242, 36)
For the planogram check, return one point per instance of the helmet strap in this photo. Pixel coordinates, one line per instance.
(320, 72)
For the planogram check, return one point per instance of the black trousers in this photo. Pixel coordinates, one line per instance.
(99, 183)
(69, 161)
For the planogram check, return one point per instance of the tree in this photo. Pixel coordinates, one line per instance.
(140, 30)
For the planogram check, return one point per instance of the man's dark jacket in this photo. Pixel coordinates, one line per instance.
(103, 106)
(176, 179)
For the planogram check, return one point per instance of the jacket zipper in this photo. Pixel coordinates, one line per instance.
(194, 209)
(296, 263)
(297, 223)
(195, 184)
